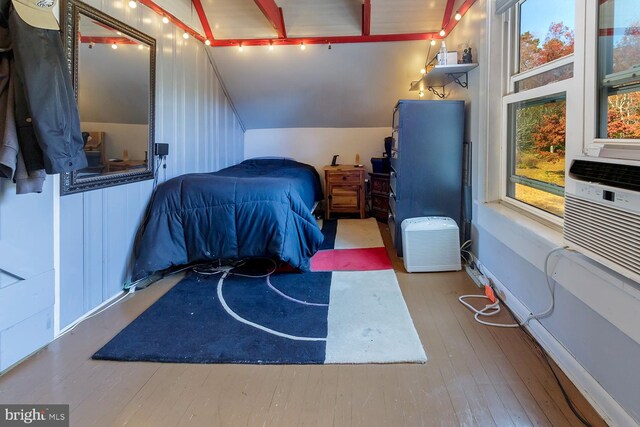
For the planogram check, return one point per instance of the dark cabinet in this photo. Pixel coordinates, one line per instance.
(379, 195)
(426, 163)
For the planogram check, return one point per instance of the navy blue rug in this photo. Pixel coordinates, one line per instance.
(189, 323)
(286, 318)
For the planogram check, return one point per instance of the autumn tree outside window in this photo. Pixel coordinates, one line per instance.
(542, 39)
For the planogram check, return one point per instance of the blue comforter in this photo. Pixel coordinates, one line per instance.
(261, 207)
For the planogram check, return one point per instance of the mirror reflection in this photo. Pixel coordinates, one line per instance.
(113, 98)
(113, 68)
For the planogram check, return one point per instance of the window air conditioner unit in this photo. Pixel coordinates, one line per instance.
(602, 213)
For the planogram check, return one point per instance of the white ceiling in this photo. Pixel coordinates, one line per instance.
(351, 85)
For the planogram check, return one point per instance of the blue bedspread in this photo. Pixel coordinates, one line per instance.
(261, 207)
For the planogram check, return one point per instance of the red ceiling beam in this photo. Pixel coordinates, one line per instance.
(463, 9)
(326, 40)
(274, 15)
(203, 19)
(446, 18)
(366, 18)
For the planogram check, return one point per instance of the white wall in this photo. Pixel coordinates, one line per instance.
(194, 116)
(316, 146)
(597, 312)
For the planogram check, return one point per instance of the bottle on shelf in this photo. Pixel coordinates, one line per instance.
(442, 55)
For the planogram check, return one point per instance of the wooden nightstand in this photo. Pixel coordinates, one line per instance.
(344, 187)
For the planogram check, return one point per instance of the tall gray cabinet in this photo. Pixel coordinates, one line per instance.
(426, 162)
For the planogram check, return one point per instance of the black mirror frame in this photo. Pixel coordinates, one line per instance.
(70, 11)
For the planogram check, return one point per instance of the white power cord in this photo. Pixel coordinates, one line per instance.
(494, 308)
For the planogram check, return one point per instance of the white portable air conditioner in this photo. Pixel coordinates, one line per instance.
(602, 213)
(430, 243)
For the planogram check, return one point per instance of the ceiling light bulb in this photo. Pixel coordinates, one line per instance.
(133, 4)
(458, 16)
(207, 42)
(302, 46)
(140, 47)
(165, 20)
(423, 71)
(185, 35)
(421, 94)
(433, 42)
(442, 32)
(114, 46)
(240, 48)
(270, 45)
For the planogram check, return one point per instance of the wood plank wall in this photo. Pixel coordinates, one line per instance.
(194, 116)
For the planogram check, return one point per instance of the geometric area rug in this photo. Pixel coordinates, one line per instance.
(348, 309)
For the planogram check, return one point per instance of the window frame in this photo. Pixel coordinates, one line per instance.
(511, 46)
(592, 143)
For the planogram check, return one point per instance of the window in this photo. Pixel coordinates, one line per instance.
(536, 156)
(541, 37)
(619, 69)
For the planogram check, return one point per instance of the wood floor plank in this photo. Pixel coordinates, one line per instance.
(475, 376)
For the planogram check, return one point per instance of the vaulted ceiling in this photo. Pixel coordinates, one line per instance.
(359, 55)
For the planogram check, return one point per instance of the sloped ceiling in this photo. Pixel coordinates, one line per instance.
(349, 85)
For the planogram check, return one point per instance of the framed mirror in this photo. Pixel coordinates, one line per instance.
(113, 69)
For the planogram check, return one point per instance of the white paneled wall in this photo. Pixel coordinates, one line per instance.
(194, 116)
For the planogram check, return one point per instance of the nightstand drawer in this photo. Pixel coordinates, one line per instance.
(344, 177)
(345, 197)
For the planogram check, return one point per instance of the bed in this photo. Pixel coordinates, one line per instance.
(260, 207)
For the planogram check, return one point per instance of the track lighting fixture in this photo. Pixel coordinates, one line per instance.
(271, 45)
(165, 20)
(421, 94)
(185, 35)
(423, 71)
(302, 46)
(114, 46)
(442, 32)
(329, 47)
(433, 42)
(133, 4)
(207, 42)
(458, 16)
(240, 48)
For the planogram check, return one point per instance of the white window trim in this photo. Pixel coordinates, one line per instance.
(551, 89)
(567, 87)
(592, 143)
(549, 66)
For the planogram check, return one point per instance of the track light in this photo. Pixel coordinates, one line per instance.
(185, 35)
(240, 48)
(442, 32)
(329, 46)
(423, 71)
(133, 4)
(302, 46)
(140, 47)
(433, 42)
(271, 45)
(207, 42)
(165, 20)
(458, 16)
(421, 94)
(114, 46)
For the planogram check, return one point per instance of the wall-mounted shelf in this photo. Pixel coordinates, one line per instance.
(440, 76)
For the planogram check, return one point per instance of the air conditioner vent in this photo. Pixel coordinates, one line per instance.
(614, 175)
(611, 234)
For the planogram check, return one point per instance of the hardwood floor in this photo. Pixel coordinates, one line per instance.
(475, 376)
